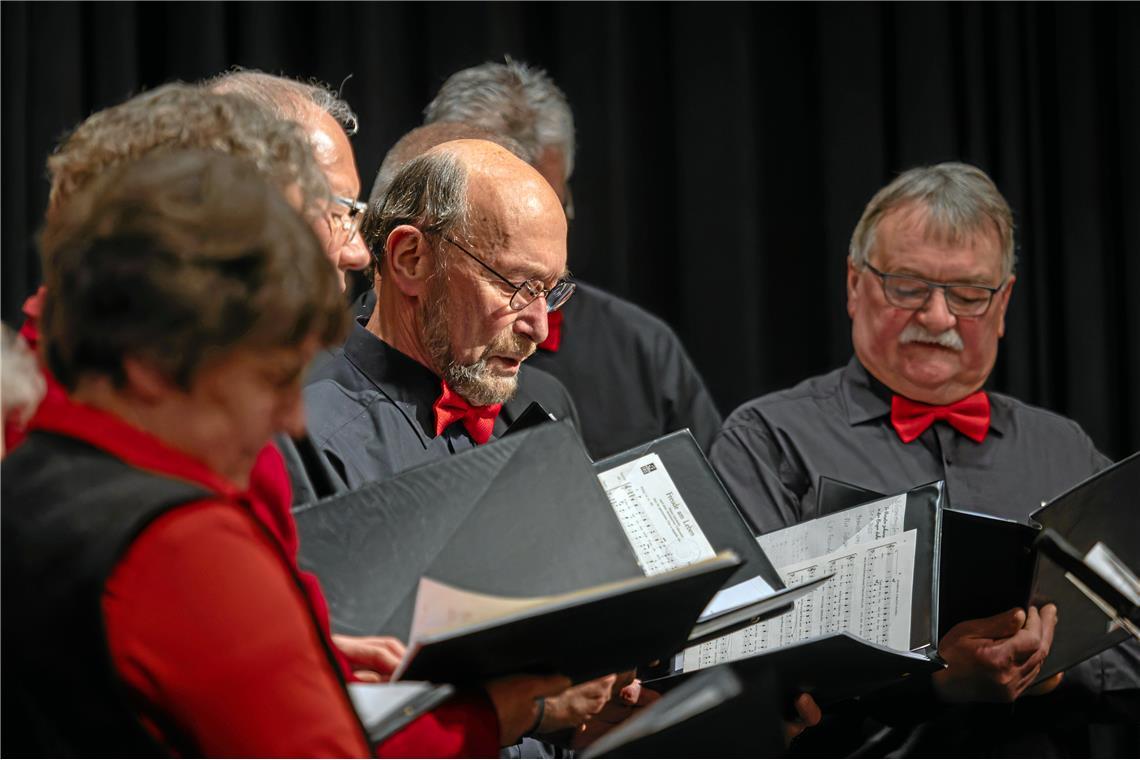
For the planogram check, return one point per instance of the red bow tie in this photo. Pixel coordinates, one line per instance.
(450, 408)
(970, 416)
(554, 337)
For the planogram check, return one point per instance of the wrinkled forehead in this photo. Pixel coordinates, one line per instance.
(933, 224)
(509, 206)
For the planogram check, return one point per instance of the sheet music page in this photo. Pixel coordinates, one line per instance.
(869, 596)
(826, 534)
(656, 520)
(440, 607)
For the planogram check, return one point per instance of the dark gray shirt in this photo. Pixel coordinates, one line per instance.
(628, 374)
(772, 451)
(369, 413)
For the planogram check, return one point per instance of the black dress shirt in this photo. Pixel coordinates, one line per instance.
(369, 414)
(772, 451)
(628, 374)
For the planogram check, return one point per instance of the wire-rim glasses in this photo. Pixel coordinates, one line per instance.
(345, 225)
(527, 291)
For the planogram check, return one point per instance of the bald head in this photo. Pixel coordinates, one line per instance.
(422, 139)
(505, 194)
(462, 188)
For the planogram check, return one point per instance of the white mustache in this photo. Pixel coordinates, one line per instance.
(916, 333)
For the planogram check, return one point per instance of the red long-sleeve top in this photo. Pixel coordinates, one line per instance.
(210, 632)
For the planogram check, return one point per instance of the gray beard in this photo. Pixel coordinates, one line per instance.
(474, 382)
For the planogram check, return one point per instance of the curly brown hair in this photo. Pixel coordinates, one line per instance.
(181, 116)
(177, 259)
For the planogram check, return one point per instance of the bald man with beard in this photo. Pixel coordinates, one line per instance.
(472, 250)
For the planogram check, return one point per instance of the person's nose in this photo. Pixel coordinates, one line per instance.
(354, 254)
(935, 315)
(531, 321)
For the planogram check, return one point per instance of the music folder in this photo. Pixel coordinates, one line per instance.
(703, 717)
(522, 516)
(458, 636)
(991, 564)
(691, 489)
(874, 621)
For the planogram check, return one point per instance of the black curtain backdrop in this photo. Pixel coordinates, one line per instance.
(725, 152)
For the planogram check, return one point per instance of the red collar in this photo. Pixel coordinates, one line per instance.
(59, 414)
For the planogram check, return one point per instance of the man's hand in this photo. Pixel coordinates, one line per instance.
(573, 707)
(373, 658)
(809, 715)
(630, 698)
(995, 659)
(514, 698)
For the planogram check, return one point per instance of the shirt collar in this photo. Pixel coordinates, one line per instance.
(412, 386)
(138, 448)
(868, 399)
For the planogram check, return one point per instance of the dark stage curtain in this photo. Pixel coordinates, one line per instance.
(725, 151)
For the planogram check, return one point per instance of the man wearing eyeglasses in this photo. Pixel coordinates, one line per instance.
(329, 122)
(929, 278)
(471, 247)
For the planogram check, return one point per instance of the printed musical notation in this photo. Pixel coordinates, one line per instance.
(660, 528)
(869, 596)
(829, 533)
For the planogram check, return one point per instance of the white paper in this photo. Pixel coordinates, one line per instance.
(1101, 559)
(747, 592)
(826, 534)
(441, 608)
(869, 597)
(657, 522)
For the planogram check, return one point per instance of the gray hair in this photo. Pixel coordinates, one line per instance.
(180, 116)
(510, 99)
(287, 98)
(21, 384)
(429, 192)
(960, 199)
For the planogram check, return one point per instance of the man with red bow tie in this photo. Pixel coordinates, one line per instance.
(471, 246)
(929, 278)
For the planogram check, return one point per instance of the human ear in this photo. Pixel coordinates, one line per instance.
(852, 288)
(1003, 304)
(145, 381)
(408, 260)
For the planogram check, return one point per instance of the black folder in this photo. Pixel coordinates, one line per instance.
(975, 549)
(706, 497)
(990, 564)
(838, 666)
(716, 713)
(1105, 507)
(520, 516)
(584, 635)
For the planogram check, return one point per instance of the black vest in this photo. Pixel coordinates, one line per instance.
(69, 513)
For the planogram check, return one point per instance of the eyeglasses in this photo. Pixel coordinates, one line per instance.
(527, 290)
(346, 225)
(907, 292)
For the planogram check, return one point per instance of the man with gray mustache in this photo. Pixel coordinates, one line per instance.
(929, 276)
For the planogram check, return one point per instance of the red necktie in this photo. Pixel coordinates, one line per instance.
(969, 416)
(554, 336)
(450, 408)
